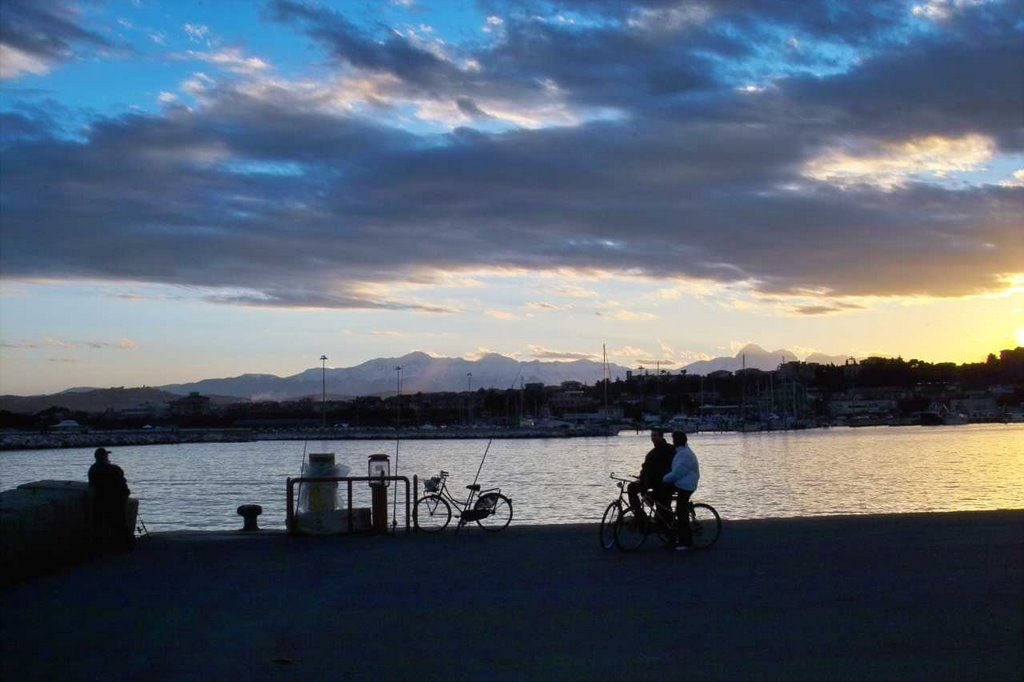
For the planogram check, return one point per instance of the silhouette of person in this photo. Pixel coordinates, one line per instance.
(683, 476)
(110, 501)
(656, 464)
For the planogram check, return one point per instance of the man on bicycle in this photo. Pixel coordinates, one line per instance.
(657, 463)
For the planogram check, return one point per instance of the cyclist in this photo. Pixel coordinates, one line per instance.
(657, 464)
(683, 476)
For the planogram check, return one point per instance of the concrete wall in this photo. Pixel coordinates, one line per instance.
(47, 524)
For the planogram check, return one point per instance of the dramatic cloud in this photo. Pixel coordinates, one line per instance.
(806, 149)
(36, 35)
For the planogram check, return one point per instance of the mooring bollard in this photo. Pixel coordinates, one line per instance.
(249, 512)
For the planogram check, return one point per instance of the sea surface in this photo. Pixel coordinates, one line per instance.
(756, 475)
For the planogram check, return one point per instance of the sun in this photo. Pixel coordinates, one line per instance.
(1020, 336)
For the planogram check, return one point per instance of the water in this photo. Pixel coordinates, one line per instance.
(551, 481)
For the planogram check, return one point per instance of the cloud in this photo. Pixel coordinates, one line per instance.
(123, 344)
(825, 309)
(548, 307)
(629, 315)
(50, 342)
(15, 62)
(57, 343)
(199, 33)
(941, 10)
(499, 314)
(620, 150)
(542, 353)
(570, 290)
(231, 59)
(889, 165)
(37, 36)
(1016, 179)
(21, 345)
(477, 353)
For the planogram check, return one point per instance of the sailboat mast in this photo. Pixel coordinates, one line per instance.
(604, 353)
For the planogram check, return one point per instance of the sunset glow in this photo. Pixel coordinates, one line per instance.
(197, 189)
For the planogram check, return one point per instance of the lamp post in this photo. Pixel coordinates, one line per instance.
(398, 395)
(323, 394)
(469, 398)
(398, 426)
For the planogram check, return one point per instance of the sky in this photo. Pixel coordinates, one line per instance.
(204, 189)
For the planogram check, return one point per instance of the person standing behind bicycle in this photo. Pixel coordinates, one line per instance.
(656, 465)
(684, 475)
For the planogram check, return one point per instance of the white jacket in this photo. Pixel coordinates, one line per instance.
(685, 471)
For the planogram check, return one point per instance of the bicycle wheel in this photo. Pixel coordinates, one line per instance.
(630, 531)
(432, 513)
(611, 516)
(705, 524)
(499, 511)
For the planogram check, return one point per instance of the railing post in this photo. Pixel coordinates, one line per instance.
(350, 517)
(415, 496)
(289, 520)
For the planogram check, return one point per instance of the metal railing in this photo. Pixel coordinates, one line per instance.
(291, 521)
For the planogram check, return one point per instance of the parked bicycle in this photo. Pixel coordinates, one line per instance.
(492, 511)
(620, 526)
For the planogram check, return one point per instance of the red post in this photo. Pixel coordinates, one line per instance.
(379, 466)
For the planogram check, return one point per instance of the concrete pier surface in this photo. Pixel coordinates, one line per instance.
(900, 597)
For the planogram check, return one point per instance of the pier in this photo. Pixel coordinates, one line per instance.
(899, 597)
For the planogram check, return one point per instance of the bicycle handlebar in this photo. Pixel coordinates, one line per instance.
(624, 480)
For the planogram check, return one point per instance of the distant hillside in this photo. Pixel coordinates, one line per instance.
(420, 373)
(92, 400)
(753, 356)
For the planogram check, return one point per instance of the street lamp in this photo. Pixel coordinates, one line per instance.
(323, 395)
(398, 426)
(398, 395)
(469, 398)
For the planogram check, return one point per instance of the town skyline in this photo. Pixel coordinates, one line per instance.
(421, 372)
(198, 189)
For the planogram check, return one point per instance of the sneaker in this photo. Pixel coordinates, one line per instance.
(682, 548)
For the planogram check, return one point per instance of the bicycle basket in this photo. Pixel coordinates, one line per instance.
(431, 485)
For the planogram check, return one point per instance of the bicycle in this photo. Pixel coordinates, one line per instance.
(620, 526)
(492, 511)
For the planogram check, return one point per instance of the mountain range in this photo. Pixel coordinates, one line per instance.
(419, 373)
(428, 374)
(753, 356)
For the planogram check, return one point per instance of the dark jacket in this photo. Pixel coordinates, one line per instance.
(108, 480)
(657, 463)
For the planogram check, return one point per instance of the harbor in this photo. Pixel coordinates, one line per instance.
(162, 436)
(881, 597)
(815, 472)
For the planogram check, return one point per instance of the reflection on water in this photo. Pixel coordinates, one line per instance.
(795, 473)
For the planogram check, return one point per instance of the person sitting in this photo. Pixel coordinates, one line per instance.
(657, 463)
(683, 476)
(110, 501)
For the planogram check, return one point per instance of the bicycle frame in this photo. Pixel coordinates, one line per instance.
(461, 508)
(647, 500)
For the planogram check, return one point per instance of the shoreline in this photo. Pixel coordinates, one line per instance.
(931, 596)
(20, 441)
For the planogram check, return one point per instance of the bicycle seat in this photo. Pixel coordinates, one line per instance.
(473, 486)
